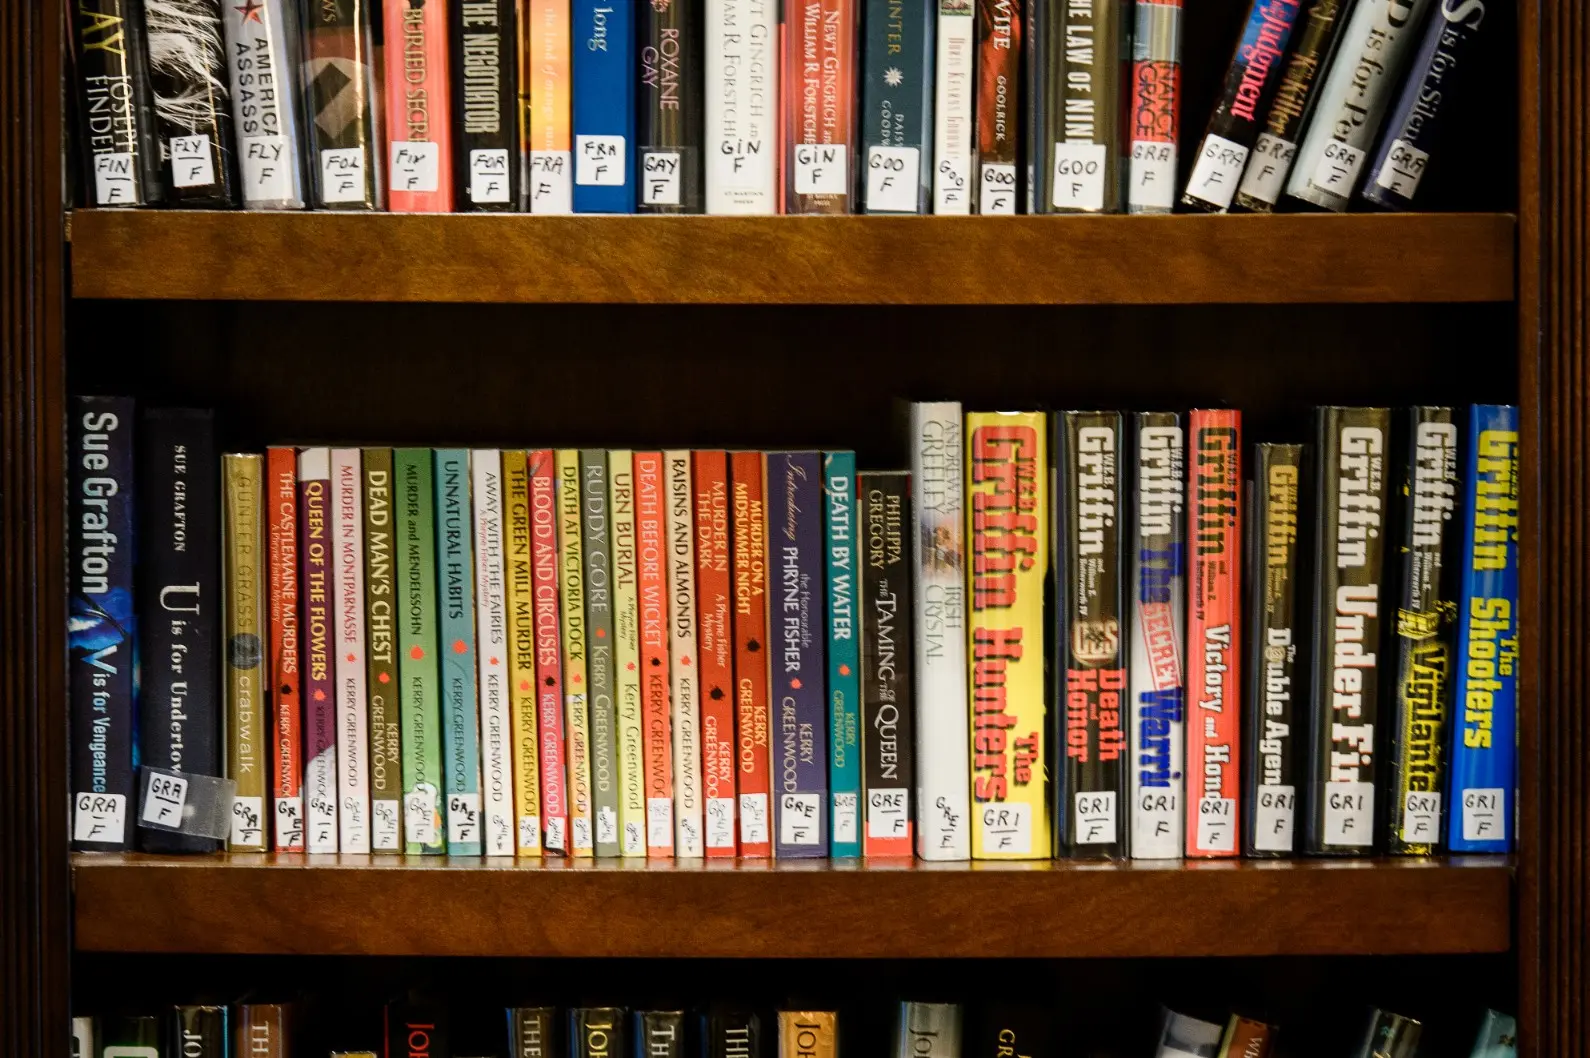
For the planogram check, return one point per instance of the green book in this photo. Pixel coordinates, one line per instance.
(420, 706)
(599, 657)
(455, 578)
(380, 629)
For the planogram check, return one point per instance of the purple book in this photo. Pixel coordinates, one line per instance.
(796, 586)
(317, 637)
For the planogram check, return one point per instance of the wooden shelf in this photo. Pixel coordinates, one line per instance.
(1114, 260)
(346, 905)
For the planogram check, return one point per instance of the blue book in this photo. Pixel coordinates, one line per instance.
(1498, 1036)
(1484, 744)
(796, 587)
(455, 584)
(604, 106)
(844, 653)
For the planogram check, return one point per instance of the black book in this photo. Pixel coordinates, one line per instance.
(121, 153)
(415, 1029)
(668, 117)
(1091, 693)
(483, 38)
(193, 106)
(1276, 655)
(598, 1032)
(129, 1035)
(1002, 1030)
(888, 738)
(732, 1032)
(199, 1032)
(342, 97)
(1350, 498)
(532, 1032)
(662, 1034)
(179, 570)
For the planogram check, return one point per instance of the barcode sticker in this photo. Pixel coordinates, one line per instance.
(1265, 175)
(1403, 169)
(821, 169)
(1006, 828)
(164, 796)
(888, 812)
(847, 815)
(660, 822)
(290, 823)
(660, 178)
(488, 175)
(267, 169)
(100, 817)
(342, 174)
(1079, 170)
(720, 822)
(1421, 817)
(607, 825)
(1217, 171)
(385, 831)
(753, 819)
(529, 832)
(1153, 175)
(1274, 818)
(248, 822)
(322, 824)
(1349, 814)
(1217, 824)
(419, 816)
(893, 178)
(799, 818)
(1482, 814)
(1095, 818)
(599, 161)
(996, 191)
(551, 179)
(1337, 168)
(951, 185)
(114, 185)
(192, 163)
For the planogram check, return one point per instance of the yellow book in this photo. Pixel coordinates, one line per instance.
(808, 1034)
(1007, 511)
(626, 654)
(248, 728)
(521, 653)
(576, 718)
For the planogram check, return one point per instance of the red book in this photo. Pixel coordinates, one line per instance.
(418, 108)
(656, 701)
(750, 657)
(549, 649)
(1214, 594)
(819, 154)
(715, 649)
(281, 491)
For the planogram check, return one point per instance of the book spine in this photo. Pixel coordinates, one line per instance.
(381, 671)
(261, 1030)
(1348, 563)
(1276, 652)
(499, 817)
(179, 688)
(319, 685)
(192, 104)
(101, 623)
(571, 604)
(689, 812)
(1275, 147)
(598, 1032)
(1484, 739)
(523, 679)
(742, 110)
(242, 537)
(198, 1032)
(709, 475)
(1426, 610)
(262, 40)
(485, 155)
(287, 769)
(1251, 82)
(1007, 523)
(795, 569)
(808, 1034)
(955, 89)
(545, 79)
(1159, 618)
(1245, 1037)
(897, 106)
(531, 1032)
(348, 605)
(342, 91)
(661, 1034)
(884, 566)
(544, 570)
(651, 556)
(1365, 71)
(129, 1034)
(752, 711)
(418, 108)
(604, 98)
(416, 1028)
(1090, 610)
(1214, 633)
(999, 121)
(626, 656)
(668, 144)
(819, 105)
(841, 633)
(943, 733)
(420, 705)
(116, 115)
(606, 776)
(1086, 155)
(732, 1033)
(1041, 88)
(929, 1030)
(1445, 68)
(1154, 107)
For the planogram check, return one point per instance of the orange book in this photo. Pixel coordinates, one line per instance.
(418, 108)
(545, 93)
(715, 649)
(750, 655)
(656, 701)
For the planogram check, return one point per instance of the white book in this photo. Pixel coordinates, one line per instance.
(955, 91)
(353, 727)
(320, 769)
(689, 814)
(491, 654)
(943, 717)
(742, 104)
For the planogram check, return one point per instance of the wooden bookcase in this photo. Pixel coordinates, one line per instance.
(777, 331)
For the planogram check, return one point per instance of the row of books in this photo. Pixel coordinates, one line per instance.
(921, 1030)
(1033, 641)
(750, 107)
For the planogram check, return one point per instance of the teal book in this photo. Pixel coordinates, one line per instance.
(844, 653)
(897, 106)
(1498, 1037)
(419, 702)
(455, 583)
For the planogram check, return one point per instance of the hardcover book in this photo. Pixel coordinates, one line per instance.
(523, 682)
(416, 1028)
(808, 1034)
(1389, 1035)
(418, 108)
(261, 1030)
(342, 90)
(318, 635)
(715, 649)
(742, 113)
(129, 1035)
(887, 693)
(844, 653)
(549, 676)
(532, 1032)
(688, 811)
(752, 710)
(1154, 109)
(499, 819)
(662, 1034)
(651, 551)
(732, 1032)
(100, 622)
(1007, 527)
(1497, 1038)
(1484, 737)
(604, 97)
(262, 40)
(955, 86)
(1181, 1036)
(819, 105)
(626, 655)
(999, 88)
(571, 600)
(928, 1030)
(546, 73)
(485, 160)
(1349, 568)
(120, 145)
(348, 605)
(1085, 157)
(179, 687)
(287, 645)
(381, 669)
(420, 704)
(1027, 1029)
(1042, 90)
(598, 1032)
(1246, 1038)
(897, 105)
(1159, 627)
(200, 1032)
(606, 774)
(243, 570)
(192, 103)
(668, 143)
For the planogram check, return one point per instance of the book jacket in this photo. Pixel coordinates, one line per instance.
(689, 814)
(606, 778)
(604, 99)
(651, 555)
(523, 683)
(319, 684)
(419, 702)
(544, 570)
(887, 690)
(844, 653)
(287, 643)
(626, 655)
(267, 114)
(192, 102)
(571, 605)
(348, 609)
(381, 657)
(483, 35)
(498, 820)
(341, 75)
(752, 711)
(243, 623)
(120, 146)
(715, 649)
(418, 108)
